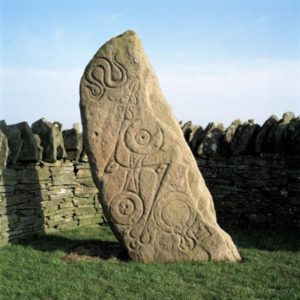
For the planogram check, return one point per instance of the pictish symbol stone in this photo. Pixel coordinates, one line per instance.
(152, 192)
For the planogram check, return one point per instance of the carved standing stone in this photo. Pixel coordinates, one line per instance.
(152, 192)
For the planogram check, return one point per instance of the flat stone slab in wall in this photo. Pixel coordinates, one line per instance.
(153, 194)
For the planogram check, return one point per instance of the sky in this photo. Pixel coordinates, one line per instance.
(217, 60)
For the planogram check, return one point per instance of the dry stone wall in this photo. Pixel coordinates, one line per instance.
(45, 181)
(43, 197)
(252, 171)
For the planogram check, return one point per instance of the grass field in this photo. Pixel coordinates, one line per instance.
(57, 267)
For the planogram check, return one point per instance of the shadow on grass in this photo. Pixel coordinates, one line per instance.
(86, 249)
(77, 248)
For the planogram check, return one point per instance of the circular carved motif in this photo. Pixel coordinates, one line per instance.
(174, 212)
(126, 208)
(144, 138)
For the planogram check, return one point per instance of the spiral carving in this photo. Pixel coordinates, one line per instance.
(103, 73)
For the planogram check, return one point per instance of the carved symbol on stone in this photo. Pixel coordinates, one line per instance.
(111, 167)
(166, 241)
(175, 216)
(144, 138)
(103, 73)
(153, 207)
(126, 208)
(174, 213)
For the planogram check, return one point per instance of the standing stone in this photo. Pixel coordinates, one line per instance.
(152, 192)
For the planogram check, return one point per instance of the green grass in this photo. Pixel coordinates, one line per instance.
(40, 269)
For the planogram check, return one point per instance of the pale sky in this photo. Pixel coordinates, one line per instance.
(217, 60)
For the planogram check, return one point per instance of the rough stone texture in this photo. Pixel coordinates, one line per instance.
(153, 194)
(292, 136)
(261, 138)
(73, 142)
(45, 197)
(51, 139)
(39, 146)
(281, 128)
(261, 191)
(242, 142)
(15, 141)
(213, 137)
(196, 138)
(4, 151)
(187, 130)
(29, 150)
(229, 135)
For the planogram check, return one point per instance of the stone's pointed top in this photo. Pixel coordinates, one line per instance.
(128, 33)
(128, 38)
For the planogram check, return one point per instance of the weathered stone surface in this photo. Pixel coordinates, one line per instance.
(280, 131)
(29, 151)
(39, 146)
(83, 157)
(229, 134)
(73, 142)
(51, 139)
(261, 144)
(187, 129)
(292, 137)
(212, 139)
(151, 189)
(15, 141)
(243, 139)
(4, 151)
(196, 138)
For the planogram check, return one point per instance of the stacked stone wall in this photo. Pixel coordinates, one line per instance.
(45, 180)
(44, 197)
(252, 171)
(249, 190)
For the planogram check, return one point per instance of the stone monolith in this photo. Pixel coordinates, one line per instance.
(152, 192)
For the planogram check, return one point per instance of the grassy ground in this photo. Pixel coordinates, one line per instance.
(54, 267)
